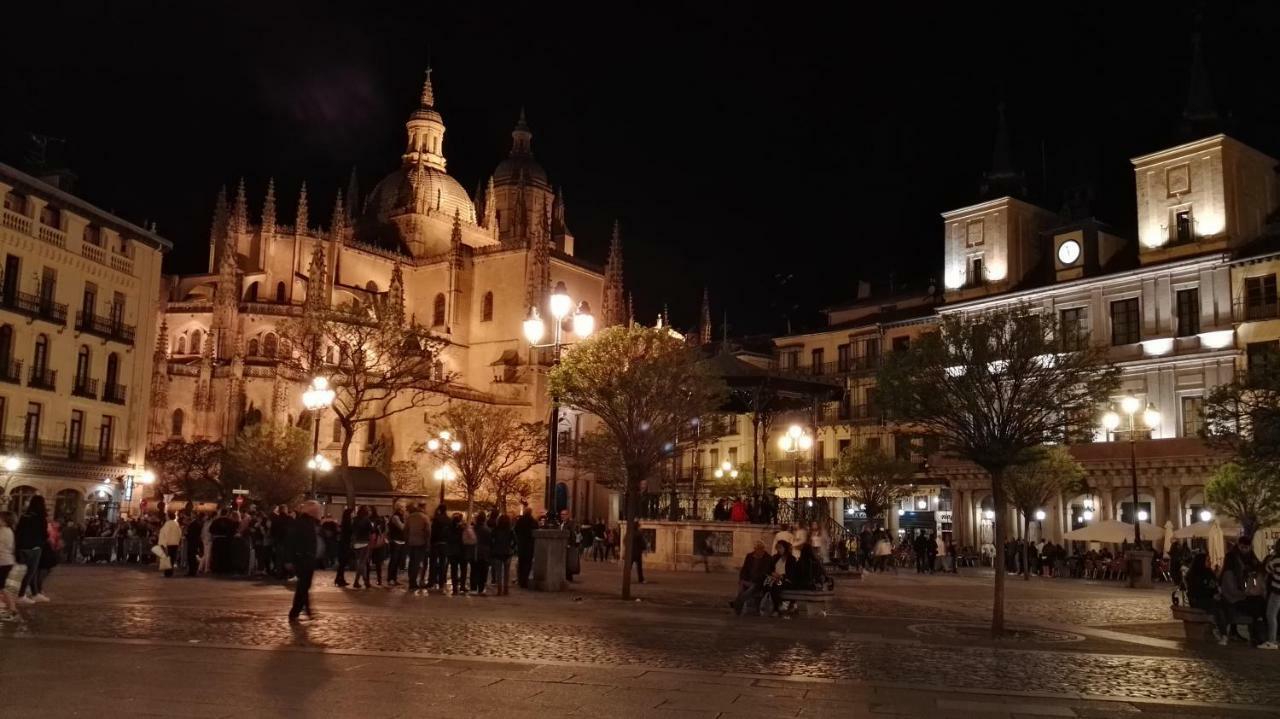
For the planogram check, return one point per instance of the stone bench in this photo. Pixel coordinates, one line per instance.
(1198, 624)
(809, 601)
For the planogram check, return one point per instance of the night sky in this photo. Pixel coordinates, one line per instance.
(775, 153)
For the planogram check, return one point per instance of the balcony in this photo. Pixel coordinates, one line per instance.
(53, 236)
(105, 327)
(114, 393)
(863, 413)
(85, 387)
(11, 371)
(868, 363)
(1246, 311)
(43, 378)
(17, 221)
(57, 449)
(43, 308)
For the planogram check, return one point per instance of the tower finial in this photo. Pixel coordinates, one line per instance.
(1002, 179)
(428, 91)
(704, 325)
(521, 137)
(269, 209)
(300, 222)
(615, 309)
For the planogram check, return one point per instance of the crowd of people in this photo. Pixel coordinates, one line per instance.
(1244, 590)
(796, 564)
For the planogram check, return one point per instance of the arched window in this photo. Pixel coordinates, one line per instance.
(67, 506)
(270, 344)
(371, 287)
(251, 294)
(280, 292)
(113, 370)
(437, 312)
(253, 347)
(486, 308)
(40, 357)
(182, 344)
(337, 432)
(20, 497)
(196, 346)
(82, 367)
(178, 416)
(328, 354)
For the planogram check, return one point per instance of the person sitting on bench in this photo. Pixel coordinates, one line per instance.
(781, 576)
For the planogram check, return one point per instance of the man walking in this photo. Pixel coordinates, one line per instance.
(417, 530)
(303, 548)
(169, 540)
(636, 540)
(524, 546)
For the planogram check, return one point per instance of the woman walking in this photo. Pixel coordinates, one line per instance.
(30, 537)
(361, 535)
(377, 545)
(481, 551)
(459, 534)
(502, 544)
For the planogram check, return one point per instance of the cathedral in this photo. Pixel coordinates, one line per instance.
(466, 269)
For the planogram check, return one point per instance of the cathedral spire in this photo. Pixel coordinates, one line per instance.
(315, 280)
(338, 224)
(269, 209)
(1002, 179)
(612, 310)
(428, 99)
(521, 137)
(1200, 115)
(455, 237)
(240, 210)
(218, 230)
(704, 324)
(162, 344)
(539, 278)
(395, 296)
(300, 223)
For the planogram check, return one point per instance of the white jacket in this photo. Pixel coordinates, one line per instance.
(170, 534)
(6, 548)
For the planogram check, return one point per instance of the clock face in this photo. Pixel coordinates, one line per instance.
(1069, 252)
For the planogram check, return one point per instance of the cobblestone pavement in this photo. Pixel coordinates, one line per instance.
(583, 629)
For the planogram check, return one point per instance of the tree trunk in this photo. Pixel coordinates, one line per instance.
(1001, 532)
(471, 504)
(632, 526)
(346, 462)
(1026, 548)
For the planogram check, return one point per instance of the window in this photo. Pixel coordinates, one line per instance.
(843, 446)
(196, 346)
(1262, 355)
(175, 427)
(789, 359)
(75, 434)
(1260, 297)
(12, 264)
(437, 311)
(902, 446)
(973, 233)
(270, 344)
(815, 360)
(31, 428)
(280, 292)
(106, 437)
(733, 456)
(182, 344)
(253, 347)
(251, 295)
(873, 444)
(842, 358)
(6, 350)
(868, 352)
(370, 432)
(113, 371)
(50, 216)
(1075, 333)
(92, 235)
(1192, 416)
(337, 432)
(16, 202)
(89, 300)
(977, 274)
(1188, 308)
(1182, 226)
(715, 458)
(117, 309)
(40, 357)
(486, 308)
(48, 287)
(900, 344)
(1125, 322)
(82, 368)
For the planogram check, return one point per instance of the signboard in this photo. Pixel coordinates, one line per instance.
(712, 543)
(239, 491)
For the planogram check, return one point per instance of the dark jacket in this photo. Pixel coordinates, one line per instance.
(194, 530)
(303, 541)
(32, 531)
(755, 569)
(361, 530)
(484, 543)
(441, 528)
(524, 533)
(503, 543)
(453, 540)
(417, 529)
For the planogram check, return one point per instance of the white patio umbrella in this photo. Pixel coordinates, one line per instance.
(1217, 545)
(1201, 530)
(1168, 536)
(1113, 531)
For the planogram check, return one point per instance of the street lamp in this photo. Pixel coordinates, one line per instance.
(794, 442)
(317, 398)
(726, 470)
(1205, 515)
(318, 463)
(444, 445)
(583, 324)
(1150, 420)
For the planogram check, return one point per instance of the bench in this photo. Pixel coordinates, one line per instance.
(809, 601)
(1198, 624)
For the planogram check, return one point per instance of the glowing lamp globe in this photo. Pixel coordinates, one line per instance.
(1205, 515)
(455, 446)
(534, 327)
(1143, 516)
(583, 322)
(433, 444)
(1130, 404)
(1151, 418)
(794, 431)
(1111, 420)
(12, 463)
(561, 303)
(1039, 515)
(1087, 515)
(806, 442)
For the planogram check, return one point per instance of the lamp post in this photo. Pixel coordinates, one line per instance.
(1139, 560)
(316, 399)
(444, 446)
(318, 464)
(795, 442)
(10, 463)
(583, 324)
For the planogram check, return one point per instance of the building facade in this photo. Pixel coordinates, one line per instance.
(465, 269)
(76, 328)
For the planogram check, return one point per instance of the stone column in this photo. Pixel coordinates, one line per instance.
(1108, 507)
(1176, 511)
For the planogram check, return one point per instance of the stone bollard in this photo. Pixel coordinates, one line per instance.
(549, 547)
(1138, 564)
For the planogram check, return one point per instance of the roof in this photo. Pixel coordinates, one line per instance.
(27, 183)
(395, 193)
(367, 481)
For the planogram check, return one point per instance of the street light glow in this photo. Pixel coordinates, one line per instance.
(148, 477)
(1087, 515)
(1111, 421)
(12, 463)
(1039, 515)
(1142, 515)
(583, 322)
(1205, 515)
(561, 303)
(534, 328)
(1130, 404)
(1151, 418)
(318, 396)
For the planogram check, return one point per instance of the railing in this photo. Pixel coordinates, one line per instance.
(105, 327)
(271, 308)
(93, 252)
(53, 236)
(57, 449)
(17, 221)
(11, 371)
(35, 306)
(184, 370)
(43, 378)
(1252, 311)
(832, 369)
(121, 264)
(835, 532)
(115, 393)
(85, 387)
(190, 306)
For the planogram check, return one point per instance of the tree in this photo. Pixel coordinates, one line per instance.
(496, 445)
(1243, 416)
(377, 364)
(992, 388)
(269, 460)
(1248, 492)
(192, 469)
(873, 479)
(1032, 486)
(407, 477)
(643, 384)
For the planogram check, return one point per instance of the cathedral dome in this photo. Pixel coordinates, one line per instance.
(520, 163)
(441, 193)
